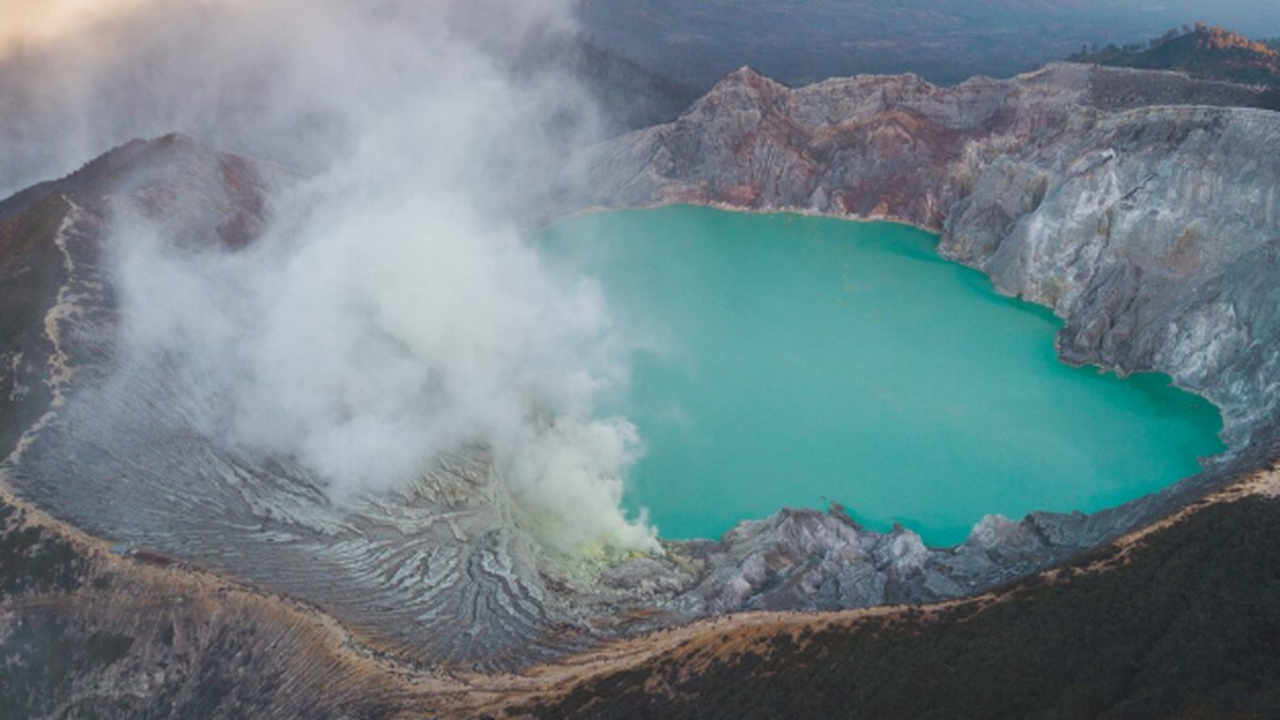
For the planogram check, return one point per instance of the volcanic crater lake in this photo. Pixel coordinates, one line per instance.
(803, 360)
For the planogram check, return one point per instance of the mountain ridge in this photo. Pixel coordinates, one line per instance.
(1206, 52)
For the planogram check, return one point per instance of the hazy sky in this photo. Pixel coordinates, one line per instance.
(947, 41)
(32, 23)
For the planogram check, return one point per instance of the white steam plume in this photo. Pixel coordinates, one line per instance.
(398, 313)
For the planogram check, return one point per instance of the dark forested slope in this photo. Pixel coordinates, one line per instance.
(1203, 51)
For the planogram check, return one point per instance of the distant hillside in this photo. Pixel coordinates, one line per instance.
(1202, 51)
(632, 96)
(944, 41)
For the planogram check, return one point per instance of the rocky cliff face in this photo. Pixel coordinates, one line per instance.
(865, 147)
(893, 147)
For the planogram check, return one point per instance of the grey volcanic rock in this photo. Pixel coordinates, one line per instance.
(868, 147)
(804, 560)
(872, 146)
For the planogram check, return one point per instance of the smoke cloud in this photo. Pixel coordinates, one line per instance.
(395, 312)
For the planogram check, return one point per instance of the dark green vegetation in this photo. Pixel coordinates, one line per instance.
(31, 271)
(1189, 627)
(946, 41)
(173, 658)
(1202, 51)
(34, 560)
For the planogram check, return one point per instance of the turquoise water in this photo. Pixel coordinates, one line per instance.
(799, 360)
